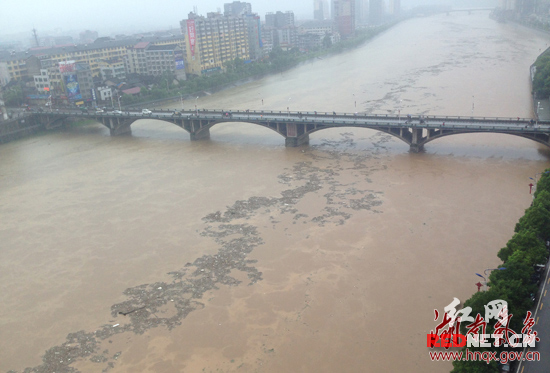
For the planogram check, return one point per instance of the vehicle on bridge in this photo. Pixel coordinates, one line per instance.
(99, 110)
(146, 112)
(117, 112)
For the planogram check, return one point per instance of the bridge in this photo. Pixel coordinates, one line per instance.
(296, 127)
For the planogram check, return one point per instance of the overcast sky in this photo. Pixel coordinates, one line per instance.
(128, 16)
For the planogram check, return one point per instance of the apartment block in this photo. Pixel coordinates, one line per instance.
(214, 40)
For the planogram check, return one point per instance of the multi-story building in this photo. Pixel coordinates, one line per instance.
(254, 31)
(312, 34)
(237, 8)
(214, 40)
(14, 65)
(136, 62)
(320, 28)
(279, 20)
(42, 81)
(395, 7)
(105, 95)
(344, 17)
(376, 12)
(113, 68)
(279, 31)
(320, 10)
(88, 36)
(361, 12)
(78, 82)
(165, 59)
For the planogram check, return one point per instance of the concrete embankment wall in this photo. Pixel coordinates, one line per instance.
(16, 128)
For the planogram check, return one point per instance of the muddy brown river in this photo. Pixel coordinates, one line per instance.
(152, 253)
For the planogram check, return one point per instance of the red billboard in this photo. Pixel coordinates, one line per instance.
(191, 34)
(67, 67)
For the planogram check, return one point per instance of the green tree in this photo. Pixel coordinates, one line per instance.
(530, 249)
(327, 41)
(536, 218)
(14, 96)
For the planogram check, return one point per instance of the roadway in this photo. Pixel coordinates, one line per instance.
(541, 314)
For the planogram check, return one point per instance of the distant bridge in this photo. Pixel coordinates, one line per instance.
(296, 127)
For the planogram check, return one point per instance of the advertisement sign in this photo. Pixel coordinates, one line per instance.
(73, 89)
(67, 67)
(179, 60)
(191, 34)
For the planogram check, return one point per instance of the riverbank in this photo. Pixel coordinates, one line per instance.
(274, 64)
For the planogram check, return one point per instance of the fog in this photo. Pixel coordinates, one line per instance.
(58, 17)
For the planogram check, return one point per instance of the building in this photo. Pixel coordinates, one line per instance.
(237, 8)
(214, 40)
(312, 34)
(13, 66)
(88, 36)
(113, 68)
(395, 7)
(320, 28)
(344, 17)
(78, 82)
(105, 94)
(320, 10)
(163, 59)
(361, 12)
(136, 62)
(279, 20)
(254, 30)
(279, 31)
(376, 12)
(42, 81)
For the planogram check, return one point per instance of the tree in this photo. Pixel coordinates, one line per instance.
(530, 249)
(536, 218)
(14, 96)
(327, 41)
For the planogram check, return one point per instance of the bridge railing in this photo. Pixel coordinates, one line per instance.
(450, 121)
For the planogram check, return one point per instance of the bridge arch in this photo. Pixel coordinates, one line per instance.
(543, 139)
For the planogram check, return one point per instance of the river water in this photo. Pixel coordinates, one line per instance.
(238, 254)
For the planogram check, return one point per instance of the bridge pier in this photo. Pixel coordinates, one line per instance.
(292, 142)
(416, 136)
(415, 148)
(118, 127)
(200, 134)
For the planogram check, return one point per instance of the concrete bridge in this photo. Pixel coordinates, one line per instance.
(296, 127)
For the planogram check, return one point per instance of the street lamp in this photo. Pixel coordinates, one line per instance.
(536, 181)
(485, 273)
(399, 112)
(196, 104)
(181, 99)
(119, 103)
(484, 281)
(288, 107)
(493, 269)
(473, 105)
